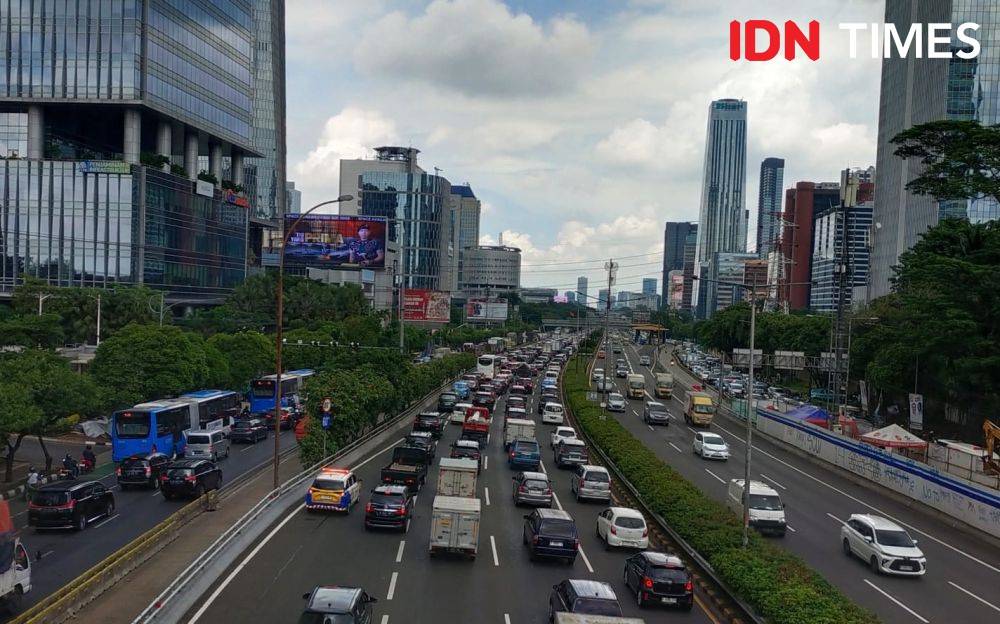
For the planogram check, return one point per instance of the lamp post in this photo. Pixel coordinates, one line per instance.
(42, 298)
(279, 319)
(847, 380)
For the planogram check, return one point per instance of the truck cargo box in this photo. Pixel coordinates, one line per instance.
(455, 525)
(457, 477)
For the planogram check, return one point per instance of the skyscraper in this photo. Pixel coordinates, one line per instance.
(674, 236)
(581, 289)
(649, 291)
(919, 90)
(772, 170)
(602, 298)
(466, 209)
(722, 219)
(293, 198)
(802, 204)
(690, 245)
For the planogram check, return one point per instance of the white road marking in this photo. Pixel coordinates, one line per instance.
(717, 477)
(415, 499)
(676, 448)
(506, 618)
(764, 476)
(249, 447)
(385, 618)
(790, 528)
(835, 518)
(900, 604)
(493, 546)
(985, 602)
(156, 492)
(586, 561)
(105, 521)
(650, 427)
(399, 552)
(486, 462)
(635, 413)
(486, 492)
(392, 586)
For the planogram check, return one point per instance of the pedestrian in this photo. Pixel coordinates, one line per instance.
(32, 483)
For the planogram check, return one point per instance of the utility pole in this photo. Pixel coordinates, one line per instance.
(611, 266)
(402, 286)
(751, 414)
(98, 320)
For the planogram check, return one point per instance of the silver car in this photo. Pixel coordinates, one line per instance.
(616, 402)
(532, 488)
(591, 482)
(883, 544)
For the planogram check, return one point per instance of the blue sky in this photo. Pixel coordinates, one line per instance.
(579, 124)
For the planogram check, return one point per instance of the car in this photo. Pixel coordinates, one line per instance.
(885, 546)
(524, 454)
(69, 505)
(458, 414)
(561, 433)
(571, 452)
(621, 372)
(532, 488)
(547, 397)
(334, 489)
(430, 422)
(551, 533)
(466, 449)
(622, 526)
(422, 439)
(343, 605)
(516, 402)
(516, 413)
(605, 385)
(142, 470)
(584, 597)
(616, 402)
(553, 414)
(710, 446)
(597, 373)
(591, 482)
(389, 506)
(484, 399)
(447, 401)
(655, 413)
(518, 388)
(529, 385)
(461, 389)
(210, 444)
(190, 477)
(250, 430)
(644, 360)
(659, 578)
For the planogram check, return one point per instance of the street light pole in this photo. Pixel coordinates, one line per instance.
(279, 319)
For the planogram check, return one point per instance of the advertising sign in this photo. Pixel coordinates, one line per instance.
(916, 412)
(202, 187)
(485, 310)
(426, 305)
(336, 241)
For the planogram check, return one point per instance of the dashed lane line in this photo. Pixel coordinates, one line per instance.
(399, 552)
(676, 448)
(982, 600)
(392, 586)
(898, 603)
(717, 477)
(764, 476)
(493, 546)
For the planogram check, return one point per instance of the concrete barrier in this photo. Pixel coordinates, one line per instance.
(971, 503)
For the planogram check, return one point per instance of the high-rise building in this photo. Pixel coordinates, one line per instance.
(802, 204)
(726, 272)
(293, 198)
(674, 236)
(919, 90)
(690, 245)
(105, 119)
(570, 296)
(772, 172)
(722, 218)
(649, 285)
(489, 271)
(602, 298)
(581, 289)
(466, 210)
(265, 176)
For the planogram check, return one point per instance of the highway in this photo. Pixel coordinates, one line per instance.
(963, 571)
(60, 556)
(501, 585)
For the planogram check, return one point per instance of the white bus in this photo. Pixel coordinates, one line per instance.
(487, 365)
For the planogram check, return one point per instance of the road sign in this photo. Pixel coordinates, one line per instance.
(916, 412)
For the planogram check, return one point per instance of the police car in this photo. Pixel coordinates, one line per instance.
(334, 489)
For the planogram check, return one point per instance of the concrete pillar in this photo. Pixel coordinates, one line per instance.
(215, 161)
(191, 154)
(164, 136)
(237, 167)
(177, 143)
(36, 132)
(132, 143)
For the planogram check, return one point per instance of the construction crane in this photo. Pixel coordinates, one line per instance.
(992, 432)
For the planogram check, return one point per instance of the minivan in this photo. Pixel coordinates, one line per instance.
(207, 444)
(591, 482)
(571, 452)
(767, 512)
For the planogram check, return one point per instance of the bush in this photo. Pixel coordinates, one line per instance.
(779, 585)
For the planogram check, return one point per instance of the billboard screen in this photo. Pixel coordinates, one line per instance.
(426, 305)
(336, 241)
(486, 310)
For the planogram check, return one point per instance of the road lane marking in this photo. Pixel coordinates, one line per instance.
(676, 448)
(635, 413)
(415, 499)
(486, 462)
(985, 602)
(385, 618)
(693, 432)
(506, 618)
(156, 492)
(399, 552)
(717, 477)
(392, 586)
(586, 561)
(249, 447)
(836, 518)
(486, 491)
(493, 546)
(105, 521)
(790, 528)
(650, 427)
(764, 476)
(900, 604)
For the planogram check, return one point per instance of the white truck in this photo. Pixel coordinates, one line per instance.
(516, 428)
(563, 617)
(457, 477)
(16, 581)
(455, 525)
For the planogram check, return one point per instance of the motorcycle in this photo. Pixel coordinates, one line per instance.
(85, 466)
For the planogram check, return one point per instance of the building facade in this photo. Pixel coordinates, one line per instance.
(690, 246)
(802, 204)
(489, 271)
(916, 91)
(649, 285)
(602, 298)
(293, 198)
(581, 291)
(537, 295)
(772, 173)
(466, 211)
(831, 248)
(726, 276)
(266, 176)
(675, 235)
(570, 296)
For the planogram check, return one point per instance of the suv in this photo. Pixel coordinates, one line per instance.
(344, 605)
(551, 533)
(141, 470)
(190, 477)
(515, 402)
(532, 488)
(656, 413)
(591, 482)
(552, 414)
(524, 454)
(548, 396)
(657, 578)
(429, 421)
(422, 439)
(69, 505)
(884, 545)
(250, 430)
(583, 596)
(571, 452)
(561, 433)
(389, 506)
(467, 449)
(447, 401)
(208, 444)
(644, 360)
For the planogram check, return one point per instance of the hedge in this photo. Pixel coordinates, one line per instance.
(775, 582)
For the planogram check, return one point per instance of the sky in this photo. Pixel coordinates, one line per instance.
(579, 124)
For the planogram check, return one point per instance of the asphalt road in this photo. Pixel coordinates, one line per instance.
(60, 556)
(501, 585)
(962, 583)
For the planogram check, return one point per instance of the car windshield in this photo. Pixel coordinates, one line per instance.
(713, 440)
(526, 447)
(195, 438)
(659, 409)
(558, 528)
(132, 424)
(616, 397)
(449, 397)
(464, 451)
(536, 484)
(50, 499)
(704, 409)
(893, 538)
(310, 617)
(132, 462)
(765, 502)
(628, 522)
(557, 409)
(333, 485)
(597, 606)
(597, 477)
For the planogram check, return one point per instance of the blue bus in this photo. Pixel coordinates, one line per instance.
(261, 395)
(212, 409)
(147, 427)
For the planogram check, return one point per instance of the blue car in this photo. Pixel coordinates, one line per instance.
(524, 455)
(549, 382)
(461, 388)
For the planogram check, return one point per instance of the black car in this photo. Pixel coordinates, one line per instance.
(485, 399)
(343, 605)
(583, 596)
(250, 430)
(429, 421)
(658, 578)
(69, 505)
(142, 470)
(190, 477)
(551, 533)
(447, 401)
(547, 397)
(466, 449)
(389, 506)
(655, 412)
(422, 439)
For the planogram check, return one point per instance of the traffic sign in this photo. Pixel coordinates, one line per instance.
(327, 404)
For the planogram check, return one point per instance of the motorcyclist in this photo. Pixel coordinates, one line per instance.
(70, 465)
(32, 482)
(89, 458)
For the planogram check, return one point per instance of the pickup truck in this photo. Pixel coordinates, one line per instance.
(408, 467)
(477, 423)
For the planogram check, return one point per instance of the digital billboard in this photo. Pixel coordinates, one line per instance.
(426, 305)
(485, 310)
(336, 241)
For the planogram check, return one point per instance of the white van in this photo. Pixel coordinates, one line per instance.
(767, 512)
(211, 444)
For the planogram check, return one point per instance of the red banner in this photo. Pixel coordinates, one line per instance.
(426, 305)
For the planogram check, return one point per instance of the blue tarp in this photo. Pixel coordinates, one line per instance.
(809, 412)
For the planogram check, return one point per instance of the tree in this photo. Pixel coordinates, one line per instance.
(248, 355)
(961, 159)
(17, 416)
(33, 331)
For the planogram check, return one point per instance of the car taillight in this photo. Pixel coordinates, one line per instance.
(576, 544)
(512, 454)
(647, 582)
(163, 477)
(386, 479)
(401, 511)
(369, 508)
(190, 479)
(689, 586)
(522, 488)
(149, 471)
(534, 540)
(118, 471)
(645, 531)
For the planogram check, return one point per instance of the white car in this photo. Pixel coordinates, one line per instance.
(644, 360)
(458, 413)
(552, 414)
(616, 402)
(605, 384)
(884, 545)
(598, 373)
(621, 526)
(710, 446)
(562, 433)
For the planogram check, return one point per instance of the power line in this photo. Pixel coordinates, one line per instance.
(599, 268)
